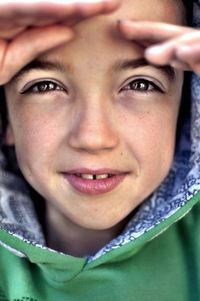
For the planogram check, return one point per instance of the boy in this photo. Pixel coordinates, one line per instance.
(85, 120)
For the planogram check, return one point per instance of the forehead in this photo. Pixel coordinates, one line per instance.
(99, 34)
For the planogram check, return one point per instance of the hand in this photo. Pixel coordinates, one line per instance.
(165, 44)
(31, 27)
(17, 15)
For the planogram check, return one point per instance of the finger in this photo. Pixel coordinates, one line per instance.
(161, 54)
(29, 45)
(42, 13)
(86, 10)
(168, 39)
(189, 52)
(150, 32)
(195, 67)
(92, 8)
(178, 64)
(191, 55)
(168, 57)
(164, 53)
(11, 33)
(3, 46)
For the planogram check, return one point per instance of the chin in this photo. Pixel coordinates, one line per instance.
(104, 225)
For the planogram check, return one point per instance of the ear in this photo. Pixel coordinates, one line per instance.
(8, 138)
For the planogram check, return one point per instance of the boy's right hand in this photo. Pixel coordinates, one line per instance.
(30, 27)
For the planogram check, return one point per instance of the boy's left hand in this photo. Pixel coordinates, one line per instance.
(165, 44)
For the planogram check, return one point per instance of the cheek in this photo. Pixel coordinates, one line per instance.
(150, 138)
(36, 137)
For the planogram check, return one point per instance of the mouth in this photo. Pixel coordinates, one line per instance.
(94, 182)
(94, 177)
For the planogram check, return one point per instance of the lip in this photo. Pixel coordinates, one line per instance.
(94, 187)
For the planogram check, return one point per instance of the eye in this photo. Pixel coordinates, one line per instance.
(142, 85)
(42, 87)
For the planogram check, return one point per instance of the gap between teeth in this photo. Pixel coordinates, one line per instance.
(94, 177)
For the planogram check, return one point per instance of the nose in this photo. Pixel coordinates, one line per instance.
(93, 129)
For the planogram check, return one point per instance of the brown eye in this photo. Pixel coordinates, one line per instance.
(43, 87)
(142, 85)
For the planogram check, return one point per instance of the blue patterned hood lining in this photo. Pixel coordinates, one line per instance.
(18, 216)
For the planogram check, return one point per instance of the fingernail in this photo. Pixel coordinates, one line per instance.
(156, 55)
(154, 50)
(184, 49)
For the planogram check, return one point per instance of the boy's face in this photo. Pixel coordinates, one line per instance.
(103, 109)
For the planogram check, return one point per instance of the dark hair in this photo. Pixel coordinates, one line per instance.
(188, 4)
(3, 113)
(185, 107)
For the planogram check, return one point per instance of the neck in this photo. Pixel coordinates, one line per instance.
(65, 236)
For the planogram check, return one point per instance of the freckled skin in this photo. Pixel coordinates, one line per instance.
(96, 125)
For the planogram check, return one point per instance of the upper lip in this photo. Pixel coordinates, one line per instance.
(100, 171)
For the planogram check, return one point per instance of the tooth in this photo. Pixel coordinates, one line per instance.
(87, 176)
(99, 177)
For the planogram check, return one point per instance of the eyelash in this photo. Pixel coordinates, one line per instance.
(145, 89)
(46, 83)
(55, 87)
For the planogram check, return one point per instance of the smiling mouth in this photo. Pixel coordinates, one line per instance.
(94, 183)
(94, 177)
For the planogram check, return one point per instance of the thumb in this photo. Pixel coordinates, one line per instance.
(29, 45)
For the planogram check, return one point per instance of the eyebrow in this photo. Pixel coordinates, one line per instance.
(39, 65)
(167, 70)
(118, 66)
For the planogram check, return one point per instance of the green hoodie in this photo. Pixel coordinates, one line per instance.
(157, 257)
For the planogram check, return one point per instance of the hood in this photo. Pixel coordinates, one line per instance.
(170, 202)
